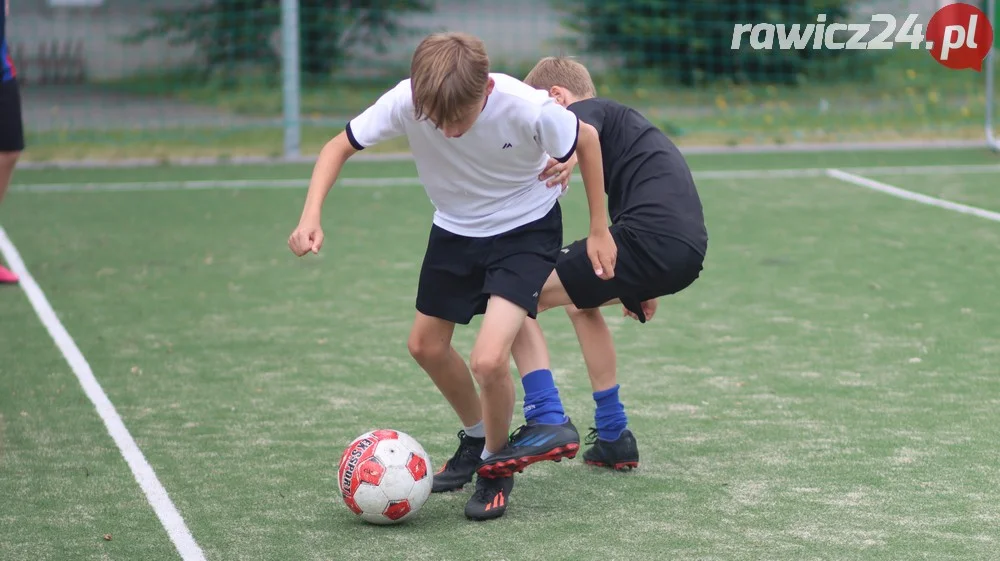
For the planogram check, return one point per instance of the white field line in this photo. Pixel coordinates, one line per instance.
(804, 147)
(223, 184)
(208, 185)
(910, 195)
(157, 496)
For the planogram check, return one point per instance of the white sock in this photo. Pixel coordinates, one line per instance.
(476, 431)
(486, 454)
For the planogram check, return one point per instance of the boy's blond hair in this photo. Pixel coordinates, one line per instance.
(564, 72)
(448, 74)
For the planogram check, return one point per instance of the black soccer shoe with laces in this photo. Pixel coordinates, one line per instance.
(490, 499)
(459, 470)
(531, 443)
(620, 454)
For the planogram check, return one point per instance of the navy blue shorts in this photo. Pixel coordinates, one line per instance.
(459, 273)
(11, 127)
(649, 266)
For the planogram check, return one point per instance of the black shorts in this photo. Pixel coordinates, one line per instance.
(11, 127)
(460, 273)
(648, 266)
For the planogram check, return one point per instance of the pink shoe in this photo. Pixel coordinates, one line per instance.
(7, 276)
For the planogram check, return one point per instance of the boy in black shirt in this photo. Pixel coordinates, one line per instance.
(659, 229)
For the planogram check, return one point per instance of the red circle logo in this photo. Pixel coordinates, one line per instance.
(960, 36)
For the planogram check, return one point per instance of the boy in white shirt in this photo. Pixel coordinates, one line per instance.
(480, 141)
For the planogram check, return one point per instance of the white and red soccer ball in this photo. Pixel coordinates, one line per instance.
(385, 476)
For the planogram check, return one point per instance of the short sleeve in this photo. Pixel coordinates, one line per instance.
(384, 120)
(558, 130)
(591, 112)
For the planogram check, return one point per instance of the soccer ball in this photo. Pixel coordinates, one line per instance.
(385, 476)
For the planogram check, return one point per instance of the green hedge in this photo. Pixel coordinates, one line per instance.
(690, 41)
(233, 35)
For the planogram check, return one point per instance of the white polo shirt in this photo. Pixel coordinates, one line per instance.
(484, 182)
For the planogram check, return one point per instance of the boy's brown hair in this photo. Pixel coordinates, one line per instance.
(564, 72)
(448, 74)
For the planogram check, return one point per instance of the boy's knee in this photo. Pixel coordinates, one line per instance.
(8, 159)
(575, 313)
(424, 348)
(489, 366)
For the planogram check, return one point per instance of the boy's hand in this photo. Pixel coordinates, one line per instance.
(603, 253)
(558, 173)
(308, 236)
(648, 309)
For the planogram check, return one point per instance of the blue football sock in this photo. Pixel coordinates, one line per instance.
(610, 414)
(541, 399)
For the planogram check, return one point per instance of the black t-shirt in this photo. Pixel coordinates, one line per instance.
(649, 185)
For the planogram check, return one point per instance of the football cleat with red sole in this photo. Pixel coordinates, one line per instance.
(532, 443)
(620, 454)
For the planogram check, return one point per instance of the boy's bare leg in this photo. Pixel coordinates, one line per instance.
(7, 162)
(542, 404)
(531, 357)
(597, 345)
(613, 445)
(530, 350)
(550, 435)
(430, 346)
(491, 368)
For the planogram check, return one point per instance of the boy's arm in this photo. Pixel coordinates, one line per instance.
(380, 122)
(558, 173)
(308, 236)
(562, 135)
(600, 245)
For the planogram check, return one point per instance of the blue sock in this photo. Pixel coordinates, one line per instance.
(610, 414)
(541, 399)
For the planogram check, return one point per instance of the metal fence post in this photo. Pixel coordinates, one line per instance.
(991, 64)
(291, 81)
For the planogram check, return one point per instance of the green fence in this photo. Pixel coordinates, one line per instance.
(183, 78)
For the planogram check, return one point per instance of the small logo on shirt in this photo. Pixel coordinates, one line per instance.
(565, 250)
(507, 145)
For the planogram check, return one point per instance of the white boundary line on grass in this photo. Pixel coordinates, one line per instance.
(804, 147)
(413, 181)
(143, 472)
(910, 195)
(208, 185)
